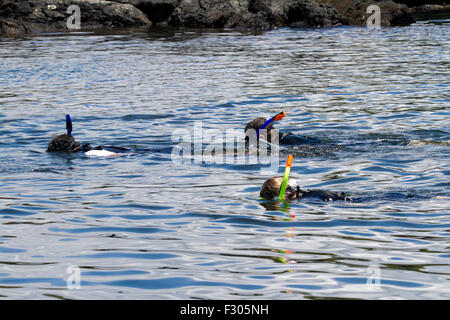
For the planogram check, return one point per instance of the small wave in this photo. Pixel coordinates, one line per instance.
(172, 283)
(428, 142)
(133, 117)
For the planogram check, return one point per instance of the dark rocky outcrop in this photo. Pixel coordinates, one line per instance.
(431, 12)
(428, 9)
(157, 11)
(51, 15)
(255, 14)
(306, 14)
(392, 14)
(45, 15)
(21, 16)
(417, 3)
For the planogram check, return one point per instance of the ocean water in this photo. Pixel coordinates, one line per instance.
(144, 225)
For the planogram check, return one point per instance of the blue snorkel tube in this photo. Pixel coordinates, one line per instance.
(276, 117)
(68, 125)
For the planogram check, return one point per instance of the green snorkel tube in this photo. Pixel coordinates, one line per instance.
(286, 177)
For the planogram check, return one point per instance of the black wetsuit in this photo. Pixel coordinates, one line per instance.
(323, 195)
(289, 138)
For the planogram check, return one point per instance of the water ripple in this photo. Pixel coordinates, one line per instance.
(140, 225)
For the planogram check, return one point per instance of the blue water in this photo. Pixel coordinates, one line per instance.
(142, 226)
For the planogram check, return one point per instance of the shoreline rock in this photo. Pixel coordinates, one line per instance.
(431, 12)
(27, 16)
(417, 3)
(392, 14)
(17, 17)
(428, 9)
(157, 11)
(255, 14)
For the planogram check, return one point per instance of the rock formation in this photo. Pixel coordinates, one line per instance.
(25, 16)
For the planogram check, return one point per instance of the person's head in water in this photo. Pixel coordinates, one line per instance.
(66, 142)
(271, 189)
(63, 143)
(262, 127)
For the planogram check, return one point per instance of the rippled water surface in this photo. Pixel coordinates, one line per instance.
(143, 226)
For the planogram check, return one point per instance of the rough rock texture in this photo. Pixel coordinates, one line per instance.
(416, 3)
(255, 14)
(21, 16)
(41, 15)
(38, 15)
(431, 12)
(428, 9)
(392, 14)
(157, 11)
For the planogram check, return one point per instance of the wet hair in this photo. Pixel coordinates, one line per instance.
(63, 143)
(271, 189)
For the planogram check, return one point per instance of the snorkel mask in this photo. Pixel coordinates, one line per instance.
(292, 188)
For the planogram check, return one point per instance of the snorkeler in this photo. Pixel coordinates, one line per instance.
(284, 189)
(263, 128)
(271, 189)
(66, 143)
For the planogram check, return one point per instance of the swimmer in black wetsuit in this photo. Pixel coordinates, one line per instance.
(271, 189)
(285, 138)
(66, 143)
